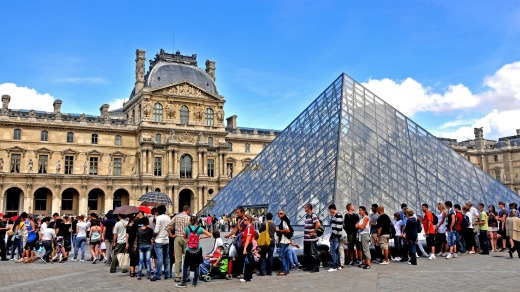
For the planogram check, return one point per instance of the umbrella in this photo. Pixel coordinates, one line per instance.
(111, 215)
(126, 210)
(145, 209)
(155, 199)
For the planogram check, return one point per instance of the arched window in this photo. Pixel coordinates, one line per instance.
(157, 112)
(185, 115)
(248, 147)
(186, 164)
(209, 117)
(44, 136)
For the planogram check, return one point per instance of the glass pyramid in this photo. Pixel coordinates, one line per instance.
(351, 146)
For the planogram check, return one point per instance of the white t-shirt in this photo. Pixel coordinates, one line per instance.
(470, 217)
(218, 242)
(441, 227)
(43, 227)
(160, 229)
(120, 230)
(397, 225)
(48, 234)
(82, 229)
(284, 238)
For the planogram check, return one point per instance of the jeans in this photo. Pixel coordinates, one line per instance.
(334, 252)
(74, 241)
(413, 250)
(80, 243)
(186, 272)
(163, 257)
(267, 264)
(451, 236)
(461, 247)
(310, 249)
(398, 240)
(145, 252)
(293, 259)
(284, 257)
(483, 237)
(16, 244)
(48, 249)
(249, 263)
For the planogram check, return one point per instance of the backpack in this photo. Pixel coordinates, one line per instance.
(264, 239)
(418, 226)
(193, 238)
(465, 222)
(321, 229)
(435, 219)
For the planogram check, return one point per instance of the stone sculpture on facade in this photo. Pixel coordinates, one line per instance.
(1, 164)
(83, 118)
(31, 165)
(220, 116)
(133, 169)
(109, 168)
(58, 167)
(198, 114)
(479, 133)
(85, 167)
(146, 108)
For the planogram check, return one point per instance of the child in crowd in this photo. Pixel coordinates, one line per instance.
(293, 259)
(59, 251)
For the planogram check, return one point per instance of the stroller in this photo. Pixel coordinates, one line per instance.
(223, 269)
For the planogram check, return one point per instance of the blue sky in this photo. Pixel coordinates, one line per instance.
(449, 65)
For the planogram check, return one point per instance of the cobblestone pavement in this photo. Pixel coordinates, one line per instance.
(467, 273)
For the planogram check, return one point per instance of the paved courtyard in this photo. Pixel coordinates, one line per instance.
(468, 273)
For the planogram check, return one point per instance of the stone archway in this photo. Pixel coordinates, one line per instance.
(70, 201)
(96, 201)
(185, 199)
(121, 197)
(13, 200)
(43, 201)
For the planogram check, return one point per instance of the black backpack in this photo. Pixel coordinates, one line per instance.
(321, 229)
(435, 219)
(418, 226)
(465, 222)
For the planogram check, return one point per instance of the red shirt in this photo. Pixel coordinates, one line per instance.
(248, 231)
(428, 217)
(458, 219)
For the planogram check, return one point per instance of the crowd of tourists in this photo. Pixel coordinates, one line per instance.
(169, 247)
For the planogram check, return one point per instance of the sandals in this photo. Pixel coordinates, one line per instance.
(133, 275)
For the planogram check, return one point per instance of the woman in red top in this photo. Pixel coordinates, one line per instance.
(247, 242)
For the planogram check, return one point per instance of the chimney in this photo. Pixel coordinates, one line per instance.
(57, 106)
(5, 103)
(232, 122)
(140, 57)
(103, 110)
(210, 69)
(480, 143)
(518, 132)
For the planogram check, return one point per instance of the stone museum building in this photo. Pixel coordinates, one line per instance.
(170, 136)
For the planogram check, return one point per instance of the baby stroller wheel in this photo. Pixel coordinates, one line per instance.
(207, 278)
(229, 276)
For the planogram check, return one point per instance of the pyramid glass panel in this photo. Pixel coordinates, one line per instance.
(351, 146)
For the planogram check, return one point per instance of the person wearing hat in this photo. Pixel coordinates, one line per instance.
(3, 230)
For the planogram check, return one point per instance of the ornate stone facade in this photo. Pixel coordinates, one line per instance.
(170, 136)
(500, 159)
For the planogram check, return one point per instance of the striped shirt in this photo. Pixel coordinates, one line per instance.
(336, 225)
(310, 224)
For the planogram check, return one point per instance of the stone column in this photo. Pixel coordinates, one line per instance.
(83, 204)
(143, 162)
(26, 201)
(217, 166)
(175, 199)
(205, 163)
(197, 201)
(150, 162)
(170, 207)
(170, 162)
(109, 202)
(175, 167)
(56, 203)
(199, 165)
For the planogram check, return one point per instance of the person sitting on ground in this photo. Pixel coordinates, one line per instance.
(59, 251)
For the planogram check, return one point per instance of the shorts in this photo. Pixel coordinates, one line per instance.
(383, 241)
(373, 239)
(493, 229)
(94, 243)
(30, 245)
(440, 238)
(452, 238)
(352, 241)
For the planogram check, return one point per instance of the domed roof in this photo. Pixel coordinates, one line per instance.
(165, 73)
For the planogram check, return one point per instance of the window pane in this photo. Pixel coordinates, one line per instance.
(93, 166)
(94, 138)
(117, 166)
(69, 164)
(186, 165)
(209, 117)
(158, 138)
(185, 114)
(118, 140)
(15, 163)
(44, 135)
(17, 134)
(211, 167)
(70, 137)
(42, 163)
(157, 166)
(157, 112)
(210, 142)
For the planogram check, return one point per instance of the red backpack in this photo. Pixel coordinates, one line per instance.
(193, 238)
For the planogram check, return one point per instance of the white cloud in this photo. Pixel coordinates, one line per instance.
(26, 98)
(82, 80)
(116, 103)
(497, 106)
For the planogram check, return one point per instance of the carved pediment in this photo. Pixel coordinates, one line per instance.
(69, 152)
(185, 88)
(117, 154)
(16, 149)
(44, 150)
(94, 153)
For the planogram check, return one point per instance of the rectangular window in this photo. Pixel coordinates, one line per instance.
(44, 136)
(92, 203)
(157, 166)
(69, 164)
(118, 140)
(158, 138)
(117, 166)
(17, 135)
(15, 163)
(94, 138)
(229, 169)
(210, 142)
(40, 202)
(497, 175)
(70, 137)
(211, 167)
(42, 163)
(495, 158)
(93, 165)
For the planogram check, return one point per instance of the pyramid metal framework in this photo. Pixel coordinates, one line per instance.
(351, 146)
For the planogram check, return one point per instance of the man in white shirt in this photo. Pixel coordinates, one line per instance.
(284, 241)
(475, 216)
(119, 240)
(162, 245)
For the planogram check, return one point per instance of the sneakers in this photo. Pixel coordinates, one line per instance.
(279, 274)
(359, 262)
(367, 267)
(384, 263)
(432, 257)
(455, 255)
(82, 261)
(94, 261)
(350, 264)
(397, 259)
(449, 256)
(332, 270)
(339, 268)
(426, 255)
(444, 254)
(471, 252)
(242, 281)
(463, 253)
(181, 285)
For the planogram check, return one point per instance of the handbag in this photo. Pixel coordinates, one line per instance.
(124, 261)
(232, 252)
(264, 239)
(103, 245)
